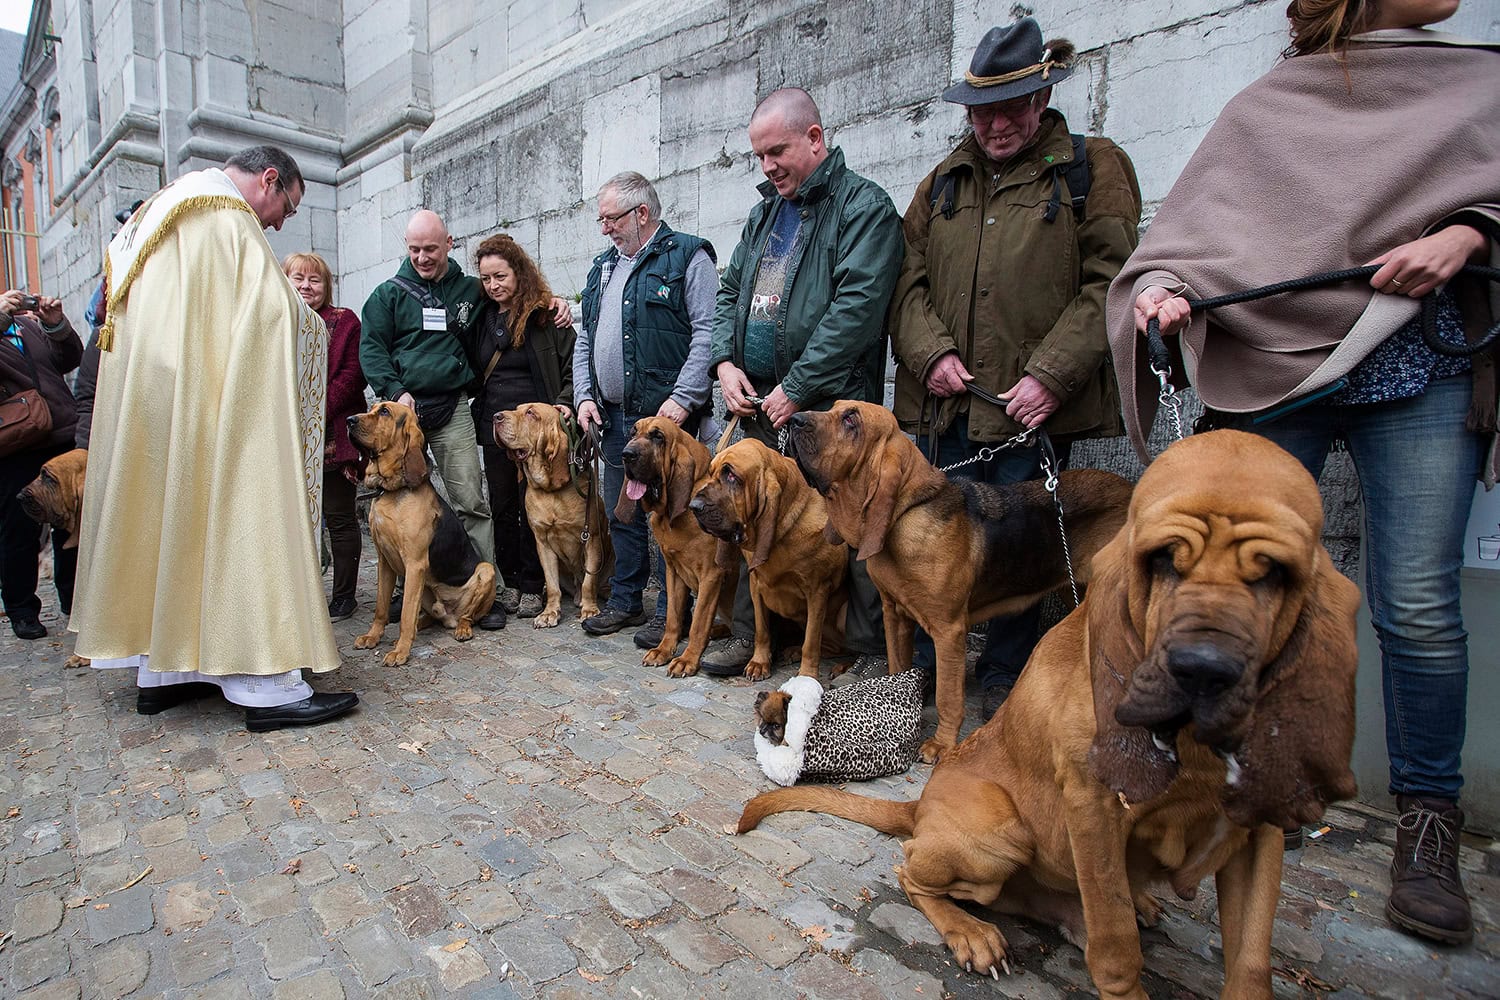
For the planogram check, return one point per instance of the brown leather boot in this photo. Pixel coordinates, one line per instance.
(1427, 897)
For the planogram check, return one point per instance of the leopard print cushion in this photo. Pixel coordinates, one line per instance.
(865, 730)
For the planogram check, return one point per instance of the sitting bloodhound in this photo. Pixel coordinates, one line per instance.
(55, 497)
(416, 534)
(757, 501)
(947, 552)
(1198, 702)
(558, 508)
(663, 464)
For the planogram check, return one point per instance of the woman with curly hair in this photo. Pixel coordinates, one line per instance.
(522, 357)
(1375, 142)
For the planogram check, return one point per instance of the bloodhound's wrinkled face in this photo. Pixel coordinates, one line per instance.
(720, 501)
(55, 496)
(389, 438)
(1235, 624)
(832, 446)
(657, 472)
(534, 437)
(770, 715)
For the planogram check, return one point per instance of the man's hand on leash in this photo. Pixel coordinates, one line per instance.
(778, 408)
(948, 376)
(739, 394)
(673, 411)
(1028, 402)
(588, 415)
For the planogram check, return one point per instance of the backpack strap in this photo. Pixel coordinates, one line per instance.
(942, 190)
(1076, 174)
(419, 292)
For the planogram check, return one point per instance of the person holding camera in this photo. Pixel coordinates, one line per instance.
(36, 424)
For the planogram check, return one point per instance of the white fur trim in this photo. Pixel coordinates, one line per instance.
(783, 764)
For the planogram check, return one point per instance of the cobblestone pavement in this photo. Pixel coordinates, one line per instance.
(534, 814)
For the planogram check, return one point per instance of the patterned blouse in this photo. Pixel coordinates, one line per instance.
(1403, 365)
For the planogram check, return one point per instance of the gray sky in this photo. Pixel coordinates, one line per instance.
(14, 15)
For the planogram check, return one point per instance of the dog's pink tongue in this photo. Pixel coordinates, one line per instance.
(634, 490)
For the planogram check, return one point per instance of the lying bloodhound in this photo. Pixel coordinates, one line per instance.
(1198, 702)
(945, 553)
(557, 505)
(663, 464)
(55, 497)
(757, 501)
(416, 534)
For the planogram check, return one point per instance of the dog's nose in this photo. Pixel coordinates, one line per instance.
(352, 421)
(696, 505)
(800, 419)
(1203, 670)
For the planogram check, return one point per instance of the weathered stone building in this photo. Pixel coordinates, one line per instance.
(509, 115)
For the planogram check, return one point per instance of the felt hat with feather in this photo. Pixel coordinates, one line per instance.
(1012, 62)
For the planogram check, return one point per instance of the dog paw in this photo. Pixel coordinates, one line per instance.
(76, 661)
(932, 751)
(656, 656)
(395, 659)
(587, 611)
(463, 633)
(684, 666)
(547, 619)
(757, 670)
(366, 641)
(1148, 909)
(979, 947)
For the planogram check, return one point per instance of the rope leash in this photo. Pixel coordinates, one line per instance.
(1160, 359)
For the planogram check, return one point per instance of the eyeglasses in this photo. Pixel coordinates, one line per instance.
(291, 209)
(610, 220)
(1011, 109)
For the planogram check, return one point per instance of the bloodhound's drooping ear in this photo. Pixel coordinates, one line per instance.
(72, 489)
(726, 554)
(880, 499)
(413, 461)
(554, 451)
(1125, 759)
(768, 509)
(625, 507)
(1295, 758)
(680, 482)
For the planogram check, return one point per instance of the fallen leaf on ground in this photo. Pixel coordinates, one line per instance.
(351, 868)
(590, 976)
(816, 932)
(292, 867)
(416, 746)
(458, 945)
(297, 805)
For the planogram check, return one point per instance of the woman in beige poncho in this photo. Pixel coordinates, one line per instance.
(1374, 142)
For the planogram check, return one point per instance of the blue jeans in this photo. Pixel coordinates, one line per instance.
(1416, 465)
(1009, 640)
(632, 542)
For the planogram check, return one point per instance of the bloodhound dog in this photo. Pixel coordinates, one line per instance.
(663, 464)
(55, 497)
(756, 501)
(1198, 702)
(416, 534)
(945, 553)
(558, 508)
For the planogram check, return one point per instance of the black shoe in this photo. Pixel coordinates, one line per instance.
(150, 701)
(27, 626)
(992, 698)
(494, 621)
(395, 613)
(649, 635)
(307, 712)
(1427, 895)
(727, 657)
(340, 608)
(611, 620)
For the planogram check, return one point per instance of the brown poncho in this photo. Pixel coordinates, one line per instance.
(1310, 170)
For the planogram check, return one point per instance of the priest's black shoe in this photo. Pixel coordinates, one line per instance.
(149, 701)
(307, 712)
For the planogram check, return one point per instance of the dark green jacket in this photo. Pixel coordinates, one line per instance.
(657, 329)
(830, 330)
(398, 356)
(1011, 292)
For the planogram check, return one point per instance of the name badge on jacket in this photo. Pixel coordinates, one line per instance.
(434, 319)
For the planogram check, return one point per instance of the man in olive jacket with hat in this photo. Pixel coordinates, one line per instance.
(1010, 248)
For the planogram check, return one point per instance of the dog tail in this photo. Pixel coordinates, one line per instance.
(895, 818)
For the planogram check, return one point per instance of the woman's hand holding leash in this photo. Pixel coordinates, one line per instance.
(1416, 268)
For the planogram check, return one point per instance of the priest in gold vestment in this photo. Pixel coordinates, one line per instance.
(198, 563)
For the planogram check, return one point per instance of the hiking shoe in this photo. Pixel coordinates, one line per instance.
(27, 626)
(727, 657)
(340, 608)
(529, 605)
(509, 599)
(649, 635)
(866, 666)
(611, 620)
(1427, 895)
